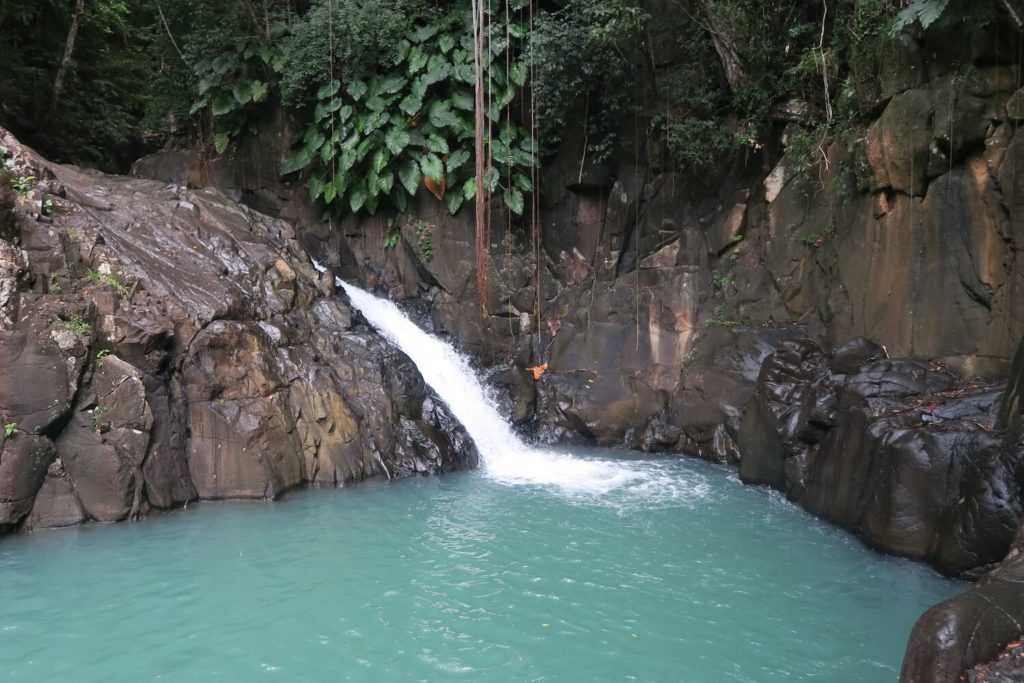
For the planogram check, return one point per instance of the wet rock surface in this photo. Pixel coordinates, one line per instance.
(903, 452)
(159, 345)
(957, 640)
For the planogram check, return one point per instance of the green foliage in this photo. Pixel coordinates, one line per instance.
(698, 143)
(108, 280)
(105, 89)
(48, 207)
(102, 353)
(393, 235)
(97, 416)
(378, 137)
(923, 12)
(23, 185)
(365, 36)
(232, 84)
(77, 324)
(10, 429)
(584, 54)
(424, 239)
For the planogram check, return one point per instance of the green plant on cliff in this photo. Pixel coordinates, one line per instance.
(424, 239)
(233, 84)
(10, 429)
(22, 185)
(586, 55)
(381, 135)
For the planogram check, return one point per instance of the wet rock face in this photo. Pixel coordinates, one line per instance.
(159, 345)
(901, 452)
(951, 639)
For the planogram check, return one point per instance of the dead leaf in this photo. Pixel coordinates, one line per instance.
(538, 371)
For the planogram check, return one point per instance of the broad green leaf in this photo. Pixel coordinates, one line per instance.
(356, 90)
(491, 178)
(326, 154)
(390, 85)
(363, 148)
(316, 187)
(514, 201)
(446, 43)
(380, 160)
(419, 88)
(410, 106)
(371, 204)
(223, 104)
(346, 161)
(432, 167)
(198, 105)
(328, 90)
(417, 59)
(320, 111)
(441, 115)
(397, 139)
(242, 92)
(465, 73)
(375, 121)
(436, 143)
(457, 159)
(345, 113)
(462, 100)
(259, 91)
(329, 192)
(297, 162)
(437, 70)
(522, 181)
(424, 33)
(341, 184)
(454, 201)
(517, 74)
(206, 83)
(357, 198)
(469, 188)
(410, 176)
(386, 182)
(403, 51)
(221, 142)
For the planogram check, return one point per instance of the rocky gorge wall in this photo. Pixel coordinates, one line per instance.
(839, 328)
(160, 345)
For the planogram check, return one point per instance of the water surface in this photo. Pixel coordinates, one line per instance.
(681, 575)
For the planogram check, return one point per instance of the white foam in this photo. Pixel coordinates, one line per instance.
(506, 458)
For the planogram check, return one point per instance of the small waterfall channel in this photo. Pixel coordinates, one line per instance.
(505, 456)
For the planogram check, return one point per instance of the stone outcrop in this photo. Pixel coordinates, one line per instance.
(951, 639)
(902, 452)
(159, 345)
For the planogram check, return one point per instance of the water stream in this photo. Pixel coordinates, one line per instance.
(545, 565)
(505, 457)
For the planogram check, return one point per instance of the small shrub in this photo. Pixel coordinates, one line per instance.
(10, 429)
(22, 185)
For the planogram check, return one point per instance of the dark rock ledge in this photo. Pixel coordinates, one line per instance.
(159, 345)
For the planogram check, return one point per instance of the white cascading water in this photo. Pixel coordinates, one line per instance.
(505, 456)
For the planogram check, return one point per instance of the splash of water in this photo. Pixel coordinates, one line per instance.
(506, 458)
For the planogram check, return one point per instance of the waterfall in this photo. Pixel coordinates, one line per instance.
(505, 457)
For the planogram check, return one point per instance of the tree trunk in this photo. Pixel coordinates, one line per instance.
(69, 49)
(725, 46)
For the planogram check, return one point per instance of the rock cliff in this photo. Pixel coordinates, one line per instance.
(160, 344)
